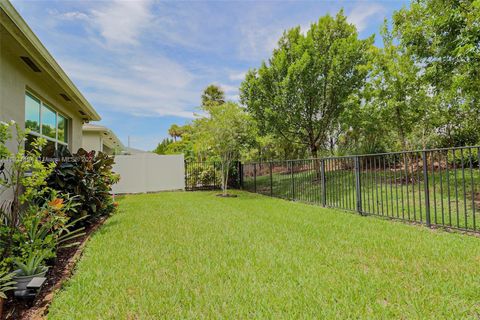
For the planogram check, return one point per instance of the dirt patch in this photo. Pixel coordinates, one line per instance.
(477, 200)
(227, 195)
(60, 271)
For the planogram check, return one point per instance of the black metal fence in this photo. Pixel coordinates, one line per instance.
(438, 187)
(208, 175)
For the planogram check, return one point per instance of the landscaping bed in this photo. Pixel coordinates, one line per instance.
(61, 270)
(54, 202)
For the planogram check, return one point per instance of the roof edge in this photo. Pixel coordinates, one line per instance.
(59, 74)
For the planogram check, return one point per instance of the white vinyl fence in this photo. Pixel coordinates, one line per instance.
(149, 172)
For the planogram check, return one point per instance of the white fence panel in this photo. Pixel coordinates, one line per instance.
(149, 172)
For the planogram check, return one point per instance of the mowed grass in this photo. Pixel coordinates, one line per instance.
(192, 255)
(454, 198)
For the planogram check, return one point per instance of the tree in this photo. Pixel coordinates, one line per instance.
(397, 92)
(443, 36)
(174, 131)
(162, 146)
(213, 95)
(225, 131)
(302, 90)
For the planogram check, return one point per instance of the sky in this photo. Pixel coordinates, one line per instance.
(143, 64)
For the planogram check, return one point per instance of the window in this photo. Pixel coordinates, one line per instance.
(44, 121)
(32, 113)
(62, 129)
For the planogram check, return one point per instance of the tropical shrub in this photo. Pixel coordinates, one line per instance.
(35, 220)
(89, 176)
(47, 228)
(25, 178)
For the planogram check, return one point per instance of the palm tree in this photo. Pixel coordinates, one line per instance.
(175, 131)
(213, 95)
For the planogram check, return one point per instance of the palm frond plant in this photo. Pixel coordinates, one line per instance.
(6, 284)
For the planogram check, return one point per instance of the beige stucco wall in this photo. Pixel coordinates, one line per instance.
(16, 77)
(92, 141)
(108, 150)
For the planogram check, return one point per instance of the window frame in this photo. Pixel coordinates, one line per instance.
(47, 105)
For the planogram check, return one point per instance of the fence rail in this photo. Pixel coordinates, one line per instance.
(438, 187)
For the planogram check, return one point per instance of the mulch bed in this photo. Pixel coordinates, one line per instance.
(60, 271)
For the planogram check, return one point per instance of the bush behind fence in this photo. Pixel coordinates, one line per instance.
(208, 175)
(437, 187)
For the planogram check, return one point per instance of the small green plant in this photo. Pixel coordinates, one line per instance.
(47, 228)
(6, 283)
(33, 264)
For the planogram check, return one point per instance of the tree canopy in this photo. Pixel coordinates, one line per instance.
(302, 90)
(325, 90)
(213, 95)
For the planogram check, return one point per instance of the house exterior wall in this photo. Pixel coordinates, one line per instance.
(108, 150)
(92, 140)
(16, 78)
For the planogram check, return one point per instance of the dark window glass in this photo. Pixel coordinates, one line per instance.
(29, 142)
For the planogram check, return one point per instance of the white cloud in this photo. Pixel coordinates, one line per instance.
(121, 22)
(258, 31)
(237, 76)
(234, 97)
(362, 14)
(258, 41)
(118, 22)
(227, 88)
(159, 87)
(72, 15)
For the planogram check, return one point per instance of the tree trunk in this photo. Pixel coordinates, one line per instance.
(316, 162)
(226, 182)
(223, 177)
(225, 169)
(401, 131)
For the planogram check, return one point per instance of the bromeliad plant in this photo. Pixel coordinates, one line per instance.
(47, 228)
(33, 265)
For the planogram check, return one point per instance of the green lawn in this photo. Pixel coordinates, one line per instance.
(449, 205)
(192, 255)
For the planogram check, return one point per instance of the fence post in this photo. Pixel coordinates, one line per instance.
(186, 174)
(255, 177)
(293, 180)
(358, 185)
(271, 180)
(214, 176)
(426, 189)
(323, 182)
(240, 175)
